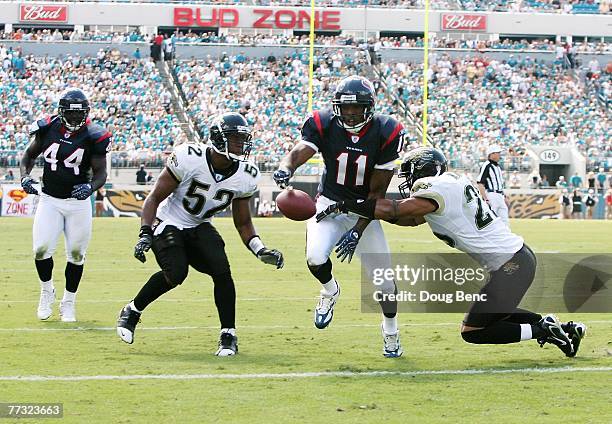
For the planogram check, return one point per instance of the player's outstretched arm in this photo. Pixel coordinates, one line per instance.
(98, 169)
(241, 213)
(294, 159)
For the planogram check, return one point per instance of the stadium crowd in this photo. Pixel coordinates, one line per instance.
(126, 94)
(190, 37)
(548, 6)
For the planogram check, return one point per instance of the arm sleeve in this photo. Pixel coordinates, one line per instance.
(391, 148)
(311, 132)
(427, 190)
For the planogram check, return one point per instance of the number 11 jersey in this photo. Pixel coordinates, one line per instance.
(202, 191)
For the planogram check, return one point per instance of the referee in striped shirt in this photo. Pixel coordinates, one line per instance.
(491, 183)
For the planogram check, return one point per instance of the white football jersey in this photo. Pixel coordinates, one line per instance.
(202, 192)
(465, 221)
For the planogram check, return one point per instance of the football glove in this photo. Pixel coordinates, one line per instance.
(144, 243)
(345, 248)
(281, 177)
(27, 184)
(271, 257)
(81, 191)
(330, 210)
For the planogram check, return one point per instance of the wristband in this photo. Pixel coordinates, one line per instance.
(364, 208)
(145, 230)
(255, 244)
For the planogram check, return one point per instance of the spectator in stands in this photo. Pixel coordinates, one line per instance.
(590, 200)
(565, 205)
(150, 178)
(576, 181)
(9, 176)
(544, 183)
(534, 183)
(515, 180)
(561, 183)
(601, 180)
(141, 175)
(577, 212)
(100, 202)
(137, 53)
(609, 204)
(591, 180)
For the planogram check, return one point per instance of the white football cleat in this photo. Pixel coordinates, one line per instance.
(67, 311)
(392, 348)
(324, 311)
(228, 344)
(45, 304)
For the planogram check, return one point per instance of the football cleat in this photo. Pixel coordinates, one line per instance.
(555, 335)
(576, 332)
(324, 311)
(392, 348)
(126, 324)
(228, 344)
(67, 311)
(45, 304)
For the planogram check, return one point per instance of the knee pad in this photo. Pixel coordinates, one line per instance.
(175, 277)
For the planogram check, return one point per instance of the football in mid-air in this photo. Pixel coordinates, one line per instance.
(296, 204)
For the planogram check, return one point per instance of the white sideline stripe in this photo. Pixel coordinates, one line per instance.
(246, 299)
(265, 376)
(216, 327)
(262, 327)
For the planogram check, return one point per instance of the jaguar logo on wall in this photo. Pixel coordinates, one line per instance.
(533, 205)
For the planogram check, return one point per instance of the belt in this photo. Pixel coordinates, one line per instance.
(495, 191)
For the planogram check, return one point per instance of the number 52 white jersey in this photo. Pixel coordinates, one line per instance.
(463, 220)
(202, 192)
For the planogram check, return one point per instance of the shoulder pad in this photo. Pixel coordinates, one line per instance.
(250, 168)
(41, 124)
(97, 132)
(388, 125)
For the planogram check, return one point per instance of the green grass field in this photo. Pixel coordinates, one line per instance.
(175, 342)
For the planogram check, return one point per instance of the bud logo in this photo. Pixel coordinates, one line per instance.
(18, 195)
(463, 22)
(42, 13)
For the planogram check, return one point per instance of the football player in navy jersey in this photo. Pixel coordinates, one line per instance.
(74, 150)
(359, 149)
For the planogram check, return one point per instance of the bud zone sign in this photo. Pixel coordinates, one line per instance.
(43, 13)
(463, 22)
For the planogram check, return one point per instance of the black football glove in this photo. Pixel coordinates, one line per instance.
(271, 257)
(81, 191)
(144, 243)
(27, 184)
(345, 248)
(330, 210)
(281, 177)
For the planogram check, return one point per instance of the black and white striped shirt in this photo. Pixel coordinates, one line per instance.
(491, 176)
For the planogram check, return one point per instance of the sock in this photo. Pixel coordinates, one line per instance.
(47, 285)
(154, 288)
(323, 273)
(523, 316)
(69, 296)
(330, 288)
(73, 275)
(537, 331)
(225, 299)
(500, 332)
(526, 333)
(44, 267)
(389, 325)
(232, 331)
(134, 308)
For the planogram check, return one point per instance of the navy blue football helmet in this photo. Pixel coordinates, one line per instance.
(354, 90)
(73, 109)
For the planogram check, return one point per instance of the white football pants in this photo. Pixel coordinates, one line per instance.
(53, 216)
(321, 239)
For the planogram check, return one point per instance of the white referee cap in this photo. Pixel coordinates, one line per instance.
(494, 148)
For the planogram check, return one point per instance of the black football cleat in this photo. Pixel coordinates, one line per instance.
(228, 344)
(576, 332)
(555, 335)
(126, 324)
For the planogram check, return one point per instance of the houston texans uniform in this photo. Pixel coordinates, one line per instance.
(349, 161)
(67, 162)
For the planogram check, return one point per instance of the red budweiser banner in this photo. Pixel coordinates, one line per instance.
(43, 13)
(463, 22)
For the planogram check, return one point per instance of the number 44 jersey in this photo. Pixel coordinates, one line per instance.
(464, 221)
(202, 191)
